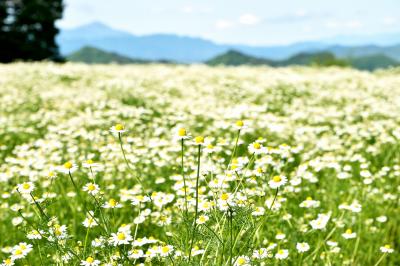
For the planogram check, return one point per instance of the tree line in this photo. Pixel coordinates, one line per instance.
(28, 30)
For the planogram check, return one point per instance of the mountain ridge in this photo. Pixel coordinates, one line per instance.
(189, 49)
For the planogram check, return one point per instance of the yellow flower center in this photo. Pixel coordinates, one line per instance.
(112, 202)
(68, 165)
(165, 249)
(199, 139)
(18, 252)
(182, 132)
(348, 231)
(121, 236)
(387, 246)
(91, 187)
(257, 146)
(277, 178)
(89, 161)
(239, 123)
(224, 196)
(8, 262)
(309, 198)
(89, 259)
(119, 127)
(26, 186)
(280, 252)
(210, 146)
(241, 261)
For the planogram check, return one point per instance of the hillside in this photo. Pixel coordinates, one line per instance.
(236, 58)
(92, 55)
(371, 62)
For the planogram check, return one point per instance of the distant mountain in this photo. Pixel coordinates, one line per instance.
(372, 62)
(190, 49)
(317, 58)
(235, 58)
(92, 55)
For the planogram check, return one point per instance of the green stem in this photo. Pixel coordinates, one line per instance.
(127, 162)
(183, 176)
(380, 259)
(86, 238)
(197, 201)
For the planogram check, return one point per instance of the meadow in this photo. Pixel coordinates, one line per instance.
(193, 165)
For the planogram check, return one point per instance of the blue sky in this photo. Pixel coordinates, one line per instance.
(240, 21)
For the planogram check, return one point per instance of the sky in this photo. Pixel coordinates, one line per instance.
(256, 22)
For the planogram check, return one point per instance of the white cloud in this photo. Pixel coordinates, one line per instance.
(354, 24)
(187, 9)
(332, 24)
(223, 24)
(389, 21)
(301, 13)
(249, 19)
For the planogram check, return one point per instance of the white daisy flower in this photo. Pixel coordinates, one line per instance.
(112, 204)
(302, 247)
(120, 238)
(90, 261)
(349, 234)
(386, 249)
(277, 181)
(202, 219)
(135, 254)
(165, 250)
(91, 188)
(26, 187)
(118, 129)
(181, 134)
(242, 261)
(68, 167)
(282, 254)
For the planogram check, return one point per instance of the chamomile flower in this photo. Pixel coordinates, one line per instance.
(8, 262)
(349, 234)
(181, 134)
(240, 124)
(68, 167)
(321, 221)
(26, 188)
(277, 181)
(112, 204)
(91, 165)
(310, 203)
(386, 249)
(242, 261)
(282, 254)
(118, 129)
(90, 222)
(261, 253)
(165, 250)
(91, 188)
(302, 247)
(202, 219)
(256, 148)
(35, 234)
(199, 141)
(90, 261)
(135, 254)
(120, 238)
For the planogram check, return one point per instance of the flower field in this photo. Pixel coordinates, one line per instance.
(192, 165)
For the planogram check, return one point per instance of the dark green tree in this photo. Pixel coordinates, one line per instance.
(29, 30)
